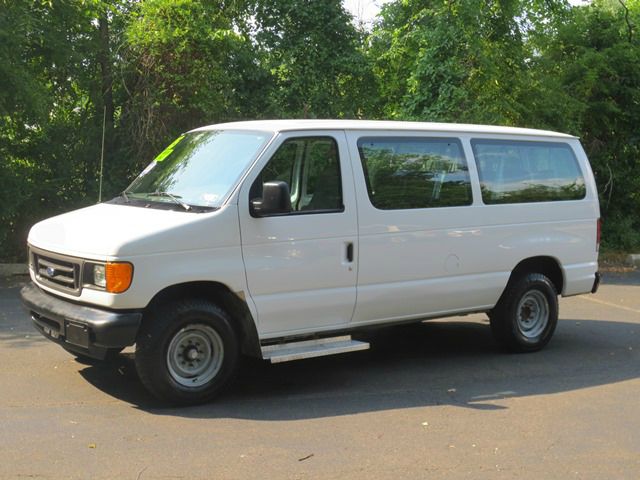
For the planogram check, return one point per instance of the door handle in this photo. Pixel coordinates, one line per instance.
(349, 252)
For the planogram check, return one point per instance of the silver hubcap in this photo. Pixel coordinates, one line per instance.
(195, 355)
(532, 314)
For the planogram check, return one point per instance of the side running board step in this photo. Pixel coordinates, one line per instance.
(285, 352)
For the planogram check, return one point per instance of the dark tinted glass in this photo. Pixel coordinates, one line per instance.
(311, 168)
(414, 172)
(519, 172)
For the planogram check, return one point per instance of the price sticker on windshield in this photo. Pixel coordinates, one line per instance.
(167, 151)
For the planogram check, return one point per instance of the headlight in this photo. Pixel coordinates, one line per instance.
(113, 277)
(99, 276)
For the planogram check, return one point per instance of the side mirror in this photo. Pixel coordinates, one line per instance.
(276, 199)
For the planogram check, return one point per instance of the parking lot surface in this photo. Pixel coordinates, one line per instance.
(433, 400)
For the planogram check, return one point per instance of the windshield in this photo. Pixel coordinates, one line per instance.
(198, 168)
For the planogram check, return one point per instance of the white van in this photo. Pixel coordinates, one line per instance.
(278, 239)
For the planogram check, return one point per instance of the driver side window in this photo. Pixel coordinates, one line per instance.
(311, 168)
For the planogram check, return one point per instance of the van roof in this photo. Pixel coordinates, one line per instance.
(288, 125)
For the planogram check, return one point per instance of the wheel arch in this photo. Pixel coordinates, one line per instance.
(219, 293)
(546, 265)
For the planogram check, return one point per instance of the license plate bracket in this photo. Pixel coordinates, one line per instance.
(77, 334)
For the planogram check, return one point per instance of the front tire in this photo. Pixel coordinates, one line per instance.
(186, 352)
(526, 315)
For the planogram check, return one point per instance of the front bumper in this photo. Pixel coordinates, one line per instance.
(81, 329)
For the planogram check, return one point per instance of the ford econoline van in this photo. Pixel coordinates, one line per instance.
(279, 239)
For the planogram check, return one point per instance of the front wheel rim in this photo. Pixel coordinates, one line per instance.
(532, 314)
(195, 355)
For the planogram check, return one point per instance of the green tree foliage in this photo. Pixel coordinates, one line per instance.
(311, 50)
(148, 70)
(463, 61)
(187, 63)
(48, 137)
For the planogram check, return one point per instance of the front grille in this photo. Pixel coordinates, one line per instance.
(57, 271)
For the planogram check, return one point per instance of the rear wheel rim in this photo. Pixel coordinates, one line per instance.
(532, 314)
(195, 355)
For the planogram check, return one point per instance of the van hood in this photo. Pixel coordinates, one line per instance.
(108, 230)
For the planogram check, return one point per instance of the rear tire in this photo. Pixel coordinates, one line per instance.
(186, 352)
(526, 315)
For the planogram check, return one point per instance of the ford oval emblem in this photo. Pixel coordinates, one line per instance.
(51, 271)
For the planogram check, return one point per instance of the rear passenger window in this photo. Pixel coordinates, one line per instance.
(414, 172)
(519, 172)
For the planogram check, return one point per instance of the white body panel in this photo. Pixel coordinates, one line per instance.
(165, 247)
(417, 263)
(293, 270)
(297, 270)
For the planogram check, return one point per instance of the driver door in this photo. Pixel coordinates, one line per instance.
(301, 266)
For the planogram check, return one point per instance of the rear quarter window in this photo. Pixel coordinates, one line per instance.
(523, 171)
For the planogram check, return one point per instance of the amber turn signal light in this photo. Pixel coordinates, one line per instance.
(119, 276)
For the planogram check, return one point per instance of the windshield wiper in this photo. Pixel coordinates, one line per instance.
(175, 198)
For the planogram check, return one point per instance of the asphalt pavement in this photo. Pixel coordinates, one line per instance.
(433, 400)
